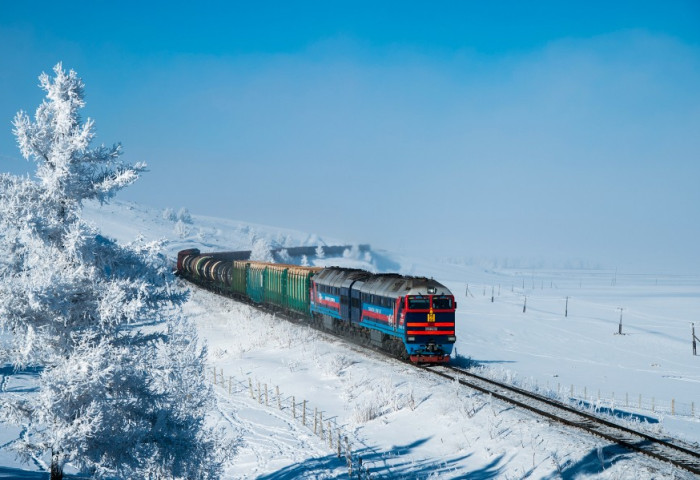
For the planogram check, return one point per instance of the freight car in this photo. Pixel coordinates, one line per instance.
(409, 317)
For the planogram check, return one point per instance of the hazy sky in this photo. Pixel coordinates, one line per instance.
(556, 130)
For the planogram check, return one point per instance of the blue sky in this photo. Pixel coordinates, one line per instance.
(554, 130)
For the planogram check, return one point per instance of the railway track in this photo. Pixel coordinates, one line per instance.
(667, 450)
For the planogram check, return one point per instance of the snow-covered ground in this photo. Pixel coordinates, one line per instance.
(407, 424)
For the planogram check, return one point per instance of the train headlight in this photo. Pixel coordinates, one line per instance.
(411, 339)
(452, 339)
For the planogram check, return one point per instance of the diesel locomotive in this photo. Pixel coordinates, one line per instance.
(409, 317)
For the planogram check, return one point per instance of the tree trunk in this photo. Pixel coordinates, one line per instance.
(56, 469)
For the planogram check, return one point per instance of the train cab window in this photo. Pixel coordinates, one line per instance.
(442, 302)
(418, 302)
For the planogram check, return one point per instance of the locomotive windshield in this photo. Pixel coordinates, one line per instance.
(442, 302)
(418, 302)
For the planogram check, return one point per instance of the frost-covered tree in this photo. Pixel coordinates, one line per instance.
(120, 390)
(169, 215)
(284, 256)
(181, 229)
(183, 215)
(261, 251)
(320, 253)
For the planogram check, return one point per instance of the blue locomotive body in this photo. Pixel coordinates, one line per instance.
(413, 317)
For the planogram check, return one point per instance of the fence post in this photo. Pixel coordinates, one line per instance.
(348, 456)
(627, 400)
(294, 408)
(338, 443)
(315, 419)
(250, 387)
(266, 403)
(223, 382)
(330, 437)
(259, 393)
(320, 424)
(214, 375)
(230, 382)
(303, 414)
(640, 401)
(279, 401)
(653, 404)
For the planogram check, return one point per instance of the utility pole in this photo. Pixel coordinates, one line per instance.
(566, 309)
(491, 293)
(525, 304)
(619, 327)
(695, 348)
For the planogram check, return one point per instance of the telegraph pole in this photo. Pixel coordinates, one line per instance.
(566, 309)
(695, 348)
(619, 327)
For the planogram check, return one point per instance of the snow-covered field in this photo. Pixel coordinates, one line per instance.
(407, 424)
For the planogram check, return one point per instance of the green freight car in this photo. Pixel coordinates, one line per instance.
(285, 286)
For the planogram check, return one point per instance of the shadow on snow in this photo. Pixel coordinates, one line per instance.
(8, 372)
(593, 463)
(386, 464)
(18, 473)
(616, 412)
(467, 362)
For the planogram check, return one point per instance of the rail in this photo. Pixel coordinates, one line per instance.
(667, 450)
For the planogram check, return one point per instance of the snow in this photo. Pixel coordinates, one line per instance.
(405, 423)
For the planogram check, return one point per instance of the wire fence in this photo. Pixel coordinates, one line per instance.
(616, 402)
(303, 412)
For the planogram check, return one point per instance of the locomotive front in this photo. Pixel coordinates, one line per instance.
(427, 313)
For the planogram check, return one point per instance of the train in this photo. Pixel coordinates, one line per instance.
(409, 317)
